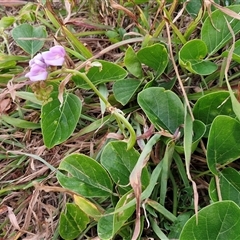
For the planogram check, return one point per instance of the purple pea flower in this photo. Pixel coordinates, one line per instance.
(38, 60)
(37, 73)
(55, 56)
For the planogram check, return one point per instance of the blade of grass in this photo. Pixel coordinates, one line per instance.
(35, 157)
(20, 123)
(161, 209)
(235, 103)
(135, 180)
(21, 186)
(157, 229)
(187, 143)
(179, 162)
(76, 43)
(167, 159)
(148, 191)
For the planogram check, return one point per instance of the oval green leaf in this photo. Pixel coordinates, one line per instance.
(155, 56)
(120, 218)
(124, 90)
(211, 105)
(26, 37)
(73, 222)
(193, 7)
(132, 63)
(107, 72)
(162, 107)
(105, 225)
(215, 32)
(88, 207)
(229, 182)
(59, 122)
(223, 142)
(219, 221)
(85, 176)
(191, 57)
(119, 162)
(109, 225)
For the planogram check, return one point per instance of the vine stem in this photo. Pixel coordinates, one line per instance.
(119, 115)
(88, 81)
(116, 112)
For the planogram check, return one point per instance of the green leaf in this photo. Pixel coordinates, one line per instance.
(73, 222)
(140, 1)
(9, 61)
(109, 225)
(177, 226)
(104, 91)
(6, 22)
(217, 221)
(166, 163)
(193, 7)
(87, 177)
(236, 52)
(8, 64)
(211, 105)
(88, 207)
(229, 182)
(154, 176)
(58, 122)
(124, 90)
(162, 210)
(163, 108)
(20, 123)
(120, 218)
(30, 45)
(28, 96)
(119, 162)
(132, 63)
(191, 57)
(223, 143)
(215, 32)
(155, 56)
(75, 42)
(107, 72)
(105, 226)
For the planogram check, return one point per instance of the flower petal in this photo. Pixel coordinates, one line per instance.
(37, 73)
(55, 56)
(38, 59)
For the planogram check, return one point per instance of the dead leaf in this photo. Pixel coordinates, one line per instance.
(120, 7)
(69, 10)
(135, 181)
(225, 10)
(13, 219)
(5, 105)
(61, 88)
(12, 3)
(3, 209)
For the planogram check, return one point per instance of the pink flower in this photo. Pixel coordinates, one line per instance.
(37, 73)
(55, 56)
(38, 65)
(37, 60)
